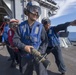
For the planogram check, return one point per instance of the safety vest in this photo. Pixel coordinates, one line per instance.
(5, 33)
(32, 38)
(53, 38)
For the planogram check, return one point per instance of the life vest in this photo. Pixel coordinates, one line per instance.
(10, 40)
(53, 38)
(5, 33)
(32, 38)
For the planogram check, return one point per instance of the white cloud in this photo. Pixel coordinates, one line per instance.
(65, 6)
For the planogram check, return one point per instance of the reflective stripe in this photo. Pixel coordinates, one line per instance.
(36, 30)
(10, 33)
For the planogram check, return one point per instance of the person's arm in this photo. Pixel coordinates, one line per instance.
(44, 43)
(17, 40)
(61, 27)
(64, 26)
(18, 43)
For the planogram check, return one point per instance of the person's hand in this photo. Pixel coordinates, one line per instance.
(73, 23)
(28, 48)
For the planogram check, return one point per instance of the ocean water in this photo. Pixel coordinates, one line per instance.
(72, 36)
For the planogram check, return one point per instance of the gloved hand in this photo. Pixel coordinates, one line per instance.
(73, 23)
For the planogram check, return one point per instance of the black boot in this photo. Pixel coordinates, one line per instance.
(13, 64)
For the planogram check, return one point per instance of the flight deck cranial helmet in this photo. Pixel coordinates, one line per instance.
(46, 21)
(13, 23)
(6, 18)
(32, 7)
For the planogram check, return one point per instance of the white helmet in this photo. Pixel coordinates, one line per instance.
(33, 6)
(6, 18)
(45, 21)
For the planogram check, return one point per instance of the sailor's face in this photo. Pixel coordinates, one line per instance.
(47, 26)
(33, 16)
(14, 26)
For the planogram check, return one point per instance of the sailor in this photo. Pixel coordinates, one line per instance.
(13, 26)
(31, 34)
(53, 43)
(5, 35)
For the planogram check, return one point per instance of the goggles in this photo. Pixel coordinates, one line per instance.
(47, 21)
(6, 20)
(13, 25)
(35, 9)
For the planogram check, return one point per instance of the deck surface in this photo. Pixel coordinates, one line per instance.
(69, 55)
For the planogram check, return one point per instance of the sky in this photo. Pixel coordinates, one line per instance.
(65, 13)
